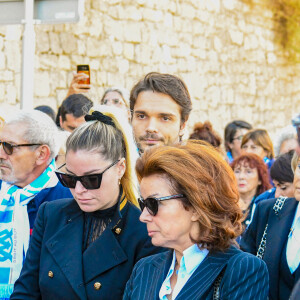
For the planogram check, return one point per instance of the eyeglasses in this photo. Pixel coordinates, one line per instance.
(90, 182)
(9, 148)
(151, 203)
(240, 137)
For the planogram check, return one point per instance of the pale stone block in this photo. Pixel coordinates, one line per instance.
(133, 13)
(42, 42)
(3, 29)
(1, 43)
(229, 4)
(14, 32)
(6, 76)
(237, 37)
(17, 84)
(115, 29)
(68, 43)
(123, 65)
(117, 48)
(96, 27)
(96, 48)
(46, 61)
(128, 51)
(271, 58)
(13, 55)
(81, 47)
(64, 62)
(42, 84)
(213, 5)
(187, 11)
(95, 64)
(2, 61)
(2, 92)
(11, 94)
(218, 46)
(133, 33)
(60, 96)
(55, 44)
(168, 20)
(101, 78)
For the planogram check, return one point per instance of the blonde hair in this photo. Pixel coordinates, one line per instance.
(112, 142)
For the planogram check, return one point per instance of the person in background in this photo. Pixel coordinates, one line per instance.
(252, 179)
(28, 146)
(160, 105)
(117, 96)
(47, 110)
(189, 209)
(72, 111)
(285, 140)
(282, 175)
(233, 135)
(204, 131)
(274, 236)
(258, 141)
(85, 247)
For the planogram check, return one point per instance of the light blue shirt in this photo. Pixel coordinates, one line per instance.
(293, 243)
(190, 261)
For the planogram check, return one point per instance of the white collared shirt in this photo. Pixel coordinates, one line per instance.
(293, 243)
(190, 261)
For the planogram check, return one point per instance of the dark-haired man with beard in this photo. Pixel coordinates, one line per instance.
(160, 106)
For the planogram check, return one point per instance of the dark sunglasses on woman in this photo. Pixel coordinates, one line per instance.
(90, 182)
(9, 148)
(151, 203)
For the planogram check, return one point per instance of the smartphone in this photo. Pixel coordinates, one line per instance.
(86, 70)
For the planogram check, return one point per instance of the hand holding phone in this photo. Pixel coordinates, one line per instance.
(85, 69)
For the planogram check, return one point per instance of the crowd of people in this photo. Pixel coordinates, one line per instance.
(108, 201)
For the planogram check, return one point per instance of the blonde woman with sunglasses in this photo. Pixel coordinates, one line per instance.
(86, 247)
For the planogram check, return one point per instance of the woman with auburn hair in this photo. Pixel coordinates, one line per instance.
(258, 141)
(190, 205)
(252, 180)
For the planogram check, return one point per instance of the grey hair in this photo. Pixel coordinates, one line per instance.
(284, 134)
(39, 129)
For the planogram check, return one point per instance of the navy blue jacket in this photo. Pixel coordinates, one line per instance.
(277, 235)
(57, 268)
(245, 277)
(47, 194)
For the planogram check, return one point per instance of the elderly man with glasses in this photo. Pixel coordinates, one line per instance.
(28, 146)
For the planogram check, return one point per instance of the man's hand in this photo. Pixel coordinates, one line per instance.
(76, 87)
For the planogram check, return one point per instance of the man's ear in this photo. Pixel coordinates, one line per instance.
(182, 127)
(60, 122)
(42, 154)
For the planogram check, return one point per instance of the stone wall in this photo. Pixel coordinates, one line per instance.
(223, 49)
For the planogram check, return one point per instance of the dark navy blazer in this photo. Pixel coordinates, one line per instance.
(56, 268)
(245, 277)
(277, 234)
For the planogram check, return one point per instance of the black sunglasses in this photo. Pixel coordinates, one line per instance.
(9, 148)
(151, 203)
(90, 182)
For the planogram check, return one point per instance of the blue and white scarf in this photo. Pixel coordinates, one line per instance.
(15, 228)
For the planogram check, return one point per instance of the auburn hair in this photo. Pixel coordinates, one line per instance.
(198, 171)
(255, 162)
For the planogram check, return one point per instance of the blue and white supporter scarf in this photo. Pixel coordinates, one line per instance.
(15, 228)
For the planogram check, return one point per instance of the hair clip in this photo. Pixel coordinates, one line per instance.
(98, 116)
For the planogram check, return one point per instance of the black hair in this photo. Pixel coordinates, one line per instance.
(77, 104)
(281, 169)
(231, 129)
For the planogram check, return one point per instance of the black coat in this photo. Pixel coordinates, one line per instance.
(277, 235)
(56, 268)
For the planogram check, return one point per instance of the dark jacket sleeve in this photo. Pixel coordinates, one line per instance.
(27, 286)
(246, 277)
(251, 237)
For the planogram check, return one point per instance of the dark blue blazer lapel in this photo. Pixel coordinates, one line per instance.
(278, 231)
(67, 258)
(205, 275)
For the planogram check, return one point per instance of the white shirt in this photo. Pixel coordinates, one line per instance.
(190, 261)
(293, 243)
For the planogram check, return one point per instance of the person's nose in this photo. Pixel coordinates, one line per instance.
(79, 188)
(152, 125)
(145, 217)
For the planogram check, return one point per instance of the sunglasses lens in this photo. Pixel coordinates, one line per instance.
(7, 148)
(152, 205)
(91, 182)
(141, 203)
(66, 180)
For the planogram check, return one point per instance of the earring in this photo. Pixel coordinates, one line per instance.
(119, 181)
